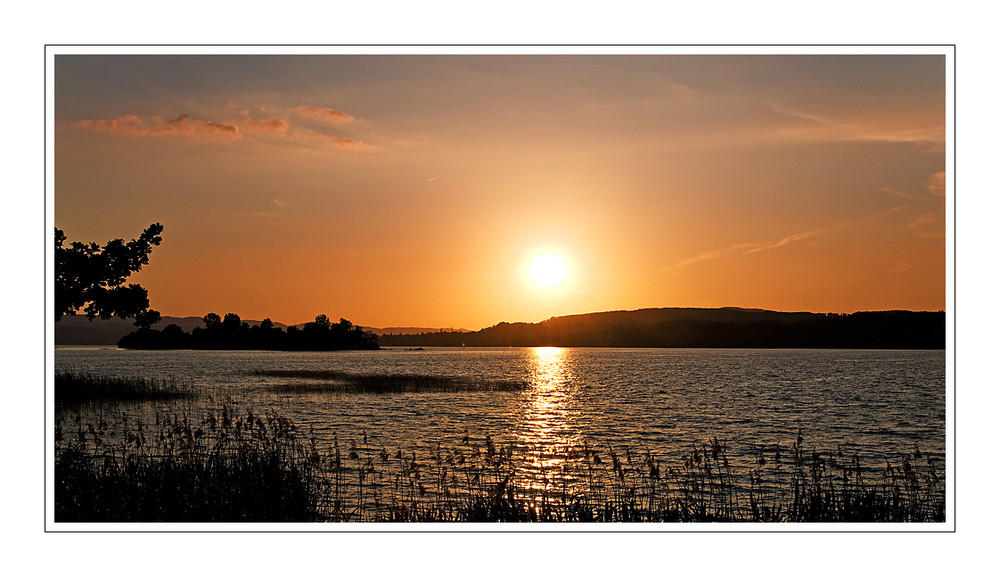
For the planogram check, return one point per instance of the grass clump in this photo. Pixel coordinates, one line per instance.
(225, 468)
(337, 381)
(77, 388)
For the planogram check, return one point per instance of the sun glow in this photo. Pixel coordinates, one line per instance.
(548, 270)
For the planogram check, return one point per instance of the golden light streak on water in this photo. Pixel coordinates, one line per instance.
(547, 427)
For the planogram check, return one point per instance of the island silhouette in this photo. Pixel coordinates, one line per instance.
(231, 333)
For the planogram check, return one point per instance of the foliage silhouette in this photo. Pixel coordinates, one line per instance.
(92, 277)
(230, 333)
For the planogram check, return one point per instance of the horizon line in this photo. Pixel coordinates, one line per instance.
(454, 328)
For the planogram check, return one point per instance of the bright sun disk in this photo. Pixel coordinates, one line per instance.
(548, 270)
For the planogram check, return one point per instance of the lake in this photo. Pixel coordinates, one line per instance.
(874, 403)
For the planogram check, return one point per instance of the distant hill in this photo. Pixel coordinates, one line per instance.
(708, 328)
(77, 330)
(411, 330)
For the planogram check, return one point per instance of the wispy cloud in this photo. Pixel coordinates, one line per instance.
(156, 126)
(340, 142)
(271, 129)
(826, 129)
(928, 225)
(793, 238)
(318, 140)
(269, 126)
(326, 115)
(936, 184)
(898, 193)
(708, 255)
(789, 111)
(751, 248)
(923, 220)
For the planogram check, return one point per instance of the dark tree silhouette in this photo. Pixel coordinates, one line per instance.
(92, 277)
(231, 322)
(231, 333)
(211, 320)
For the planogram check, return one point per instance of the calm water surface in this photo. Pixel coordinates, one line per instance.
(878, 404)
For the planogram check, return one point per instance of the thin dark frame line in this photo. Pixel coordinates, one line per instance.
(954, 299)
(954, 294)
(45, 286)
(952, 46)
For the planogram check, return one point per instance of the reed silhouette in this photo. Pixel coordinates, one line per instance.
(226, 464)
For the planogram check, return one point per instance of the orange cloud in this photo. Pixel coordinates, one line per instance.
(272, 129)
(132, 125)
(218, 126)
(269, 126)
(320, 140)
(936, 184)
(346, 142)
(128, 124)
(326, 115)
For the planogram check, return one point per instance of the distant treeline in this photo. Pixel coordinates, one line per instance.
(709, 328)
(230, 333)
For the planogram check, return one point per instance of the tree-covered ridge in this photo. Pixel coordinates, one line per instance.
(231, 333)
(705, 328)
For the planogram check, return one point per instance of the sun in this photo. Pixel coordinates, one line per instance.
(548, 270)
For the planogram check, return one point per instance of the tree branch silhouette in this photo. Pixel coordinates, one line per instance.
(92, 278)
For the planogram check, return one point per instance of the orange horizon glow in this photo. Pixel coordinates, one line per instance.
(423, 190)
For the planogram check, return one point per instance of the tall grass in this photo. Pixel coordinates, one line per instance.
(223, 467)
(72, 388)
(248, 467)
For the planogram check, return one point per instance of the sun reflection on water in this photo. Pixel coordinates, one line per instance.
(548, 429)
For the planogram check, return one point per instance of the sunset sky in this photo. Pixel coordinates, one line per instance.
(419, 190)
